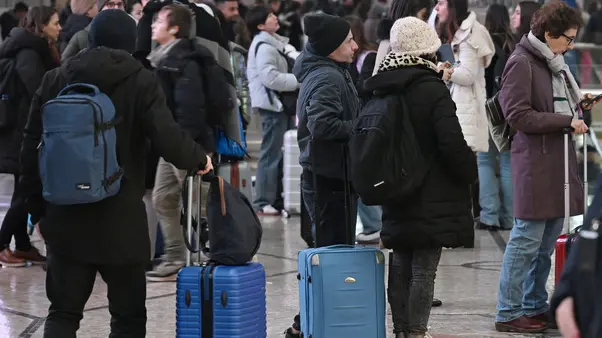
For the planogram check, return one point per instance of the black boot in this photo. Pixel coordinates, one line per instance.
(436, 302)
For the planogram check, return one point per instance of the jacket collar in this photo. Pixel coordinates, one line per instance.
(465, 28)
(275, 40)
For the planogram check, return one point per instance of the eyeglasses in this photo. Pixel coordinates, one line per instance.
(569, 39)
(114, 4)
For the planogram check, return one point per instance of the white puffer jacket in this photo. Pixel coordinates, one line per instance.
(473, 47)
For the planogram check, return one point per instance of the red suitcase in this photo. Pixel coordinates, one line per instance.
(563, 243)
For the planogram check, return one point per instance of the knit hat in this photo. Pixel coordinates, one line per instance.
(113, 28)
(412, 36)
(325, 32)
(82, 7)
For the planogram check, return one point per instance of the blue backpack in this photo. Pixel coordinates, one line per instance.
(78, 152)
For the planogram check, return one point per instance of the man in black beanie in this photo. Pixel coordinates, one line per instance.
(108, 236)
(327, 105)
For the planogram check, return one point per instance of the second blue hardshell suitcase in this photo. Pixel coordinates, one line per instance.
(342, 292)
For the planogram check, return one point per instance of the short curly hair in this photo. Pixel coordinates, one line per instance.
(555, 18)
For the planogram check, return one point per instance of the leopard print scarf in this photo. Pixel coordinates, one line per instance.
(395, 60)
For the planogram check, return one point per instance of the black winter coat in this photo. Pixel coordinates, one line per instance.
(33, 58)
(438, 215)
(180, 73)
(114, 230)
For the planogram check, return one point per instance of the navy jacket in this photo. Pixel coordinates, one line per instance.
(327, 105)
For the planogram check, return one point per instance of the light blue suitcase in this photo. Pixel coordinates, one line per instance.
(342, 292)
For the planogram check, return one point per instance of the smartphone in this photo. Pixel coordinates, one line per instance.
(592, 101)
(456, 64)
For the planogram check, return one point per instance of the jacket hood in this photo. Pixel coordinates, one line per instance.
(20, 39)
(105, 68)
(186, 49)
(383, 32)
(74, 24)
(398, 79)
(307, 61)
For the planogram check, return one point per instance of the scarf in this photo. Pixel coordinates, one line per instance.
(395, 60)
(566, 92)
(158, 54)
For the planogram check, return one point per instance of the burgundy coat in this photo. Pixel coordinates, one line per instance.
(537, 152)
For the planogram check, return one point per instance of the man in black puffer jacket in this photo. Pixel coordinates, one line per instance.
(179, 63)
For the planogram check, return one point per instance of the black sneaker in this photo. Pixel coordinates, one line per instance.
(290, 334)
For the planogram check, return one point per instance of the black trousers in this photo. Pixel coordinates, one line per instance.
(327, 197)
(69, 284)
(15, 222)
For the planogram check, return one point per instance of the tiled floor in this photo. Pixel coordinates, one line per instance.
(466, 282)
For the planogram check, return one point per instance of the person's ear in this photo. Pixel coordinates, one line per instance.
(174, 30)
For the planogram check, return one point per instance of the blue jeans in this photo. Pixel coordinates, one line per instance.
(273, 126)
(525, 268)
(496, 210)
(371, 216)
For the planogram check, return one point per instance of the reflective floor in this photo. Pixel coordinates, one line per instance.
(466, 282)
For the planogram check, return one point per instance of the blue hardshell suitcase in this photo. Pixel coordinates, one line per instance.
(342, 292)
(219, 301)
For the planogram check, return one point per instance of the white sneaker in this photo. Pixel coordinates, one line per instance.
(268, 210)
(372, 237)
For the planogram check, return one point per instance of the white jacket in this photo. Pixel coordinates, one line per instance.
(269, 69)
(473, 47)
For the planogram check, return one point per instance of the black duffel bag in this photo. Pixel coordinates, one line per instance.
(234, 230)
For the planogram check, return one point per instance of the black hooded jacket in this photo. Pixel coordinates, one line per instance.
(181, 75)
(32, 59)
(112, 231)
(438, 215)
(74, 24)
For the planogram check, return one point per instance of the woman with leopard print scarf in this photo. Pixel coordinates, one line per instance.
(436, 216)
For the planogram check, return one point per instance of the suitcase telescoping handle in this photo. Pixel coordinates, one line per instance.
(567, 179)
(346, 192)
(193, 183)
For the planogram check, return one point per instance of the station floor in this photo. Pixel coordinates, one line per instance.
(466, 283)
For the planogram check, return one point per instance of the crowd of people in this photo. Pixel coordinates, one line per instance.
(173, 69)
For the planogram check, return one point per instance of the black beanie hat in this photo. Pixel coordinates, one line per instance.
(325, 32)
(113, 28)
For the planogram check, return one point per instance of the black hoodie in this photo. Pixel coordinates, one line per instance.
(113, 230)
(32, 58)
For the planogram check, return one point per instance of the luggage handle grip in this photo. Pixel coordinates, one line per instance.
(88, 87)
(568, 130)
(340, 246)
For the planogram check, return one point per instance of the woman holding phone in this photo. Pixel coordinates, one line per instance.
(539, 98)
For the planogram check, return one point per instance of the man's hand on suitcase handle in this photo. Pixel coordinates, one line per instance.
(208, 167)
(577, 127)
(565, 318)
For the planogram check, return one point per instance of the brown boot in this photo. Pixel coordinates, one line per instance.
(33, 256)
(7, 259)
(522, 324)
(545, 317)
